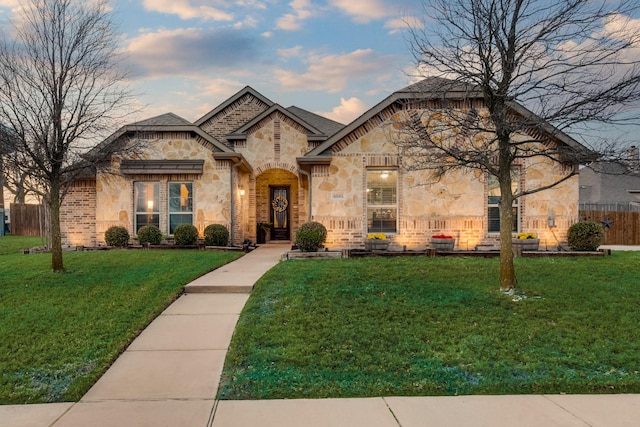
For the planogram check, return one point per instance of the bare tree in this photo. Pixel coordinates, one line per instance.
(507, 69)
(12, 177)
(61, 87)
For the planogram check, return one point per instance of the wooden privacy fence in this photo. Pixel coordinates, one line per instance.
(28, 220)
(621, 228)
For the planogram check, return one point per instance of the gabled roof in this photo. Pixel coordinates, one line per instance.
(246, 90)
(164, 123)
(326, 126)
(314, 134)
(434, 88)
(438, 87)
(168, 119)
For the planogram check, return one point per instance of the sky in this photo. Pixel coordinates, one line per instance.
(336, 58)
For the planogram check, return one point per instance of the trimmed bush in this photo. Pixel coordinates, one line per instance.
(185, 234)
(310, 236)
(116, 236)
(216, 235)
(150, 234)
(585, 236)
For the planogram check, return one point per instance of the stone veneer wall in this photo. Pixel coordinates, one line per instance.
(211, 189)
(78, 214)
(454, 205)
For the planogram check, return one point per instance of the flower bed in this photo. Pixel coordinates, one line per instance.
(525, 242)
(376, 242)
(443, 242)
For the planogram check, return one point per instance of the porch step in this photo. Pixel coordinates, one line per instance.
(240, 275)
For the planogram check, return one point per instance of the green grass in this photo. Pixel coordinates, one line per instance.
(438, 326)
(11, 245)
(61, 331)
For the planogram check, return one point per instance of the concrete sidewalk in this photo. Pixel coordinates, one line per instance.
(169, 377)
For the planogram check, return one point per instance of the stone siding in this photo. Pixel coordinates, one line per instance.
(211, 189)
(456, 204)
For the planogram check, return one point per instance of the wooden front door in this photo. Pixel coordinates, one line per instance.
(280, 213)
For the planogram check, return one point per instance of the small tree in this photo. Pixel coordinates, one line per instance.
(60, 87)
(568, 61)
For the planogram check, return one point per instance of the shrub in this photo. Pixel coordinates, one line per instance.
(216, 235)
(116, 236)
(150, 234)
(310, 236)
(185, 234)
(585, 236)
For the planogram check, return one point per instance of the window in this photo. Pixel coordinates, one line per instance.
(493, 217)
(382, 204)
(180, 204)
(147, 197)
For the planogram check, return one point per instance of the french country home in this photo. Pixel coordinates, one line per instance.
(251, 164)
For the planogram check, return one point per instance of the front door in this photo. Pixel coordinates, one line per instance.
(280, 213)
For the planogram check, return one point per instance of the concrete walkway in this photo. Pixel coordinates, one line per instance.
(169, 377)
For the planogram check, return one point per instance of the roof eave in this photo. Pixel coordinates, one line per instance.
(235, 158)
(314, 160)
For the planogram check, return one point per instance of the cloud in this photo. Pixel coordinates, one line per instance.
(332, 73)
(291, 52)
(399, 24)
(302, 10)
(247, 22)
(13, 4)
(190, 51)
(189, 9)
(347, 111)
(362, 11)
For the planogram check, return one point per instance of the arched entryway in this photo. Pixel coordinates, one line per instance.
(277, 196)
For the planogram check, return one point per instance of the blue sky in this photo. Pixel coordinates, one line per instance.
(337, 58)
(334, 57)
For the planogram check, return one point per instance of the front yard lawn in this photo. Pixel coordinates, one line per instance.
(438, 326)
(60, 331)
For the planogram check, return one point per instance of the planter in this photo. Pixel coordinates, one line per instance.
(525, 244)
(376, 245)
(443, 245)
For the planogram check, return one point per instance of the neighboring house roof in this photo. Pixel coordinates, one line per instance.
(433, 88)
(609, 183)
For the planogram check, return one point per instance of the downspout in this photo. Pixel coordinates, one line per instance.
(308, 175)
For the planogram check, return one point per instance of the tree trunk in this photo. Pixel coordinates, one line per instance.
(56, 234)
(507, 268)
